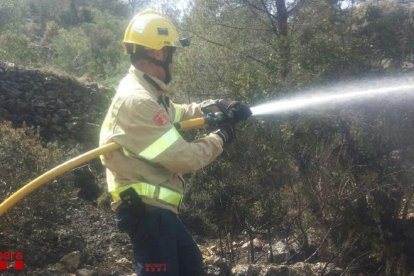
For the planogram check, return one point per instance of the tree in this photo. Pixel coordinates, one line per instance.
(336, 171)
(74, 12)
(11, 14)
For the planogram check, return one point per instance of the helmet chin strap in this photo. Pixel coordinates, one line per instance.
(168, 76)
(164, 64)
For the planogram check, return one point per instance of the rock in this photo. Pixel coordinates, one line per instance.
(246, 270)
(257, 244)
(6, 65)
(85, 272)
(123, 261)
(280, 270)
(209, 251)
(331, 269)
(300, 269)
(408, 65)
(283, 252)
(71, 261)
(216, 266)
(60, 268)
(280, 252)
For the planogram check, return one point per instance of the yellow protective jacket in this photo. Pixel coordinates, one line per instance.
(153, 155)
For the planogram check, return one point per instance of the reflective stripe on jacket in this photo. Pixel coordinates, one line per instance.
(153, 154)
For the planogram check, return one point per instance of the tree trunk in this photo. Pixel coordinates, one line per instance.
(282, 24)
(282, 17)
(251, 246)
(222, 251)
(74, 18)
(269, 241)
(43, 15)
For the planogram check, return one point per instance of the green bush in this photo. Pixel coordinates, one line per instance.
(71, 50)
(16, 48)
(11, 14)
(91, 50)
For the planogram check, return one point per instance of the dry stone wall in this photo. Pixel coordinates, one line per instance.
(62, 108)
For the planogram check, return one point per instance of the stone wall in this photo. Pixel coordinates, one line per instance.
(62, 108)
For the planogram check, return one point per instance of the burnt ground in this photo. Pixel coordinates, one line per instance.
(79, 226)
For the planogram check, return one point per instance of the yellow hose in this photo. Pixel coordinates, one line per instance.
(192, 123)
(53, 173)
(73, 163)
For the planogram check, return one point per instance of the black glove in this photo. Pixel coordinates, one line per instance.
(227, 133)
(239, 111)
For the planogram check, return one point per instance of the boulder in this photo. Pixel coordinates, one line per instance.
(71, 261)
(216, 266)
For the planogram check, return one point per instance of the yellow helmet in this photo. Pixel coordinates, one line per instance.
(152, 30)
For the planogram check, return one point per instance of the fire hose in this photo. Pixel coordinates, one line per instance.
(210, 118)
(214, 119)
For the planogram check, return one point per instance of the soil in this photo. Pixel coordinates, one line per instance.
(80, 226)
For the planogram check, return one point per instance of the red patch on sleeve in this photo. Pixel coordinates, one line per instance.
(161, 118)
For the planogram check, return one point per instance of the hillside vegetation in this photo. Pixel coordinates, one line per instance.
(333, 185)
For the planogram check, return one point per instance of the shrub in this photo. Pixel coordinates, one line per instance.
(32, 220)
(16, 48)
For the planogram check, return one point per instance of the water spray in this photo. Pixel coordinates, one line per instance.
(338, 94)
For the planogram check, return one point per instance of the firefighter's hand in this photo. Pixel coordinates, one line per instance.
(227, 133)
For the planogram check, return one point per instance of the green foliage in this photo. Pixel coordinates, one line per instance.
(388, 28)
(71, 50)
(91, 49)
(114, 8)
(41, 32)
(16, 48)
(12, 12)
(327, 173)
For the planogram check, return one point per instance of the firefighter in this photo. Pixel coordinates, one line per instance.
(145, 176)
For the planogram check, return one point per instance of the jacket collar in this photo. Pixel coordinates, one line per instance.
(153, 84)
